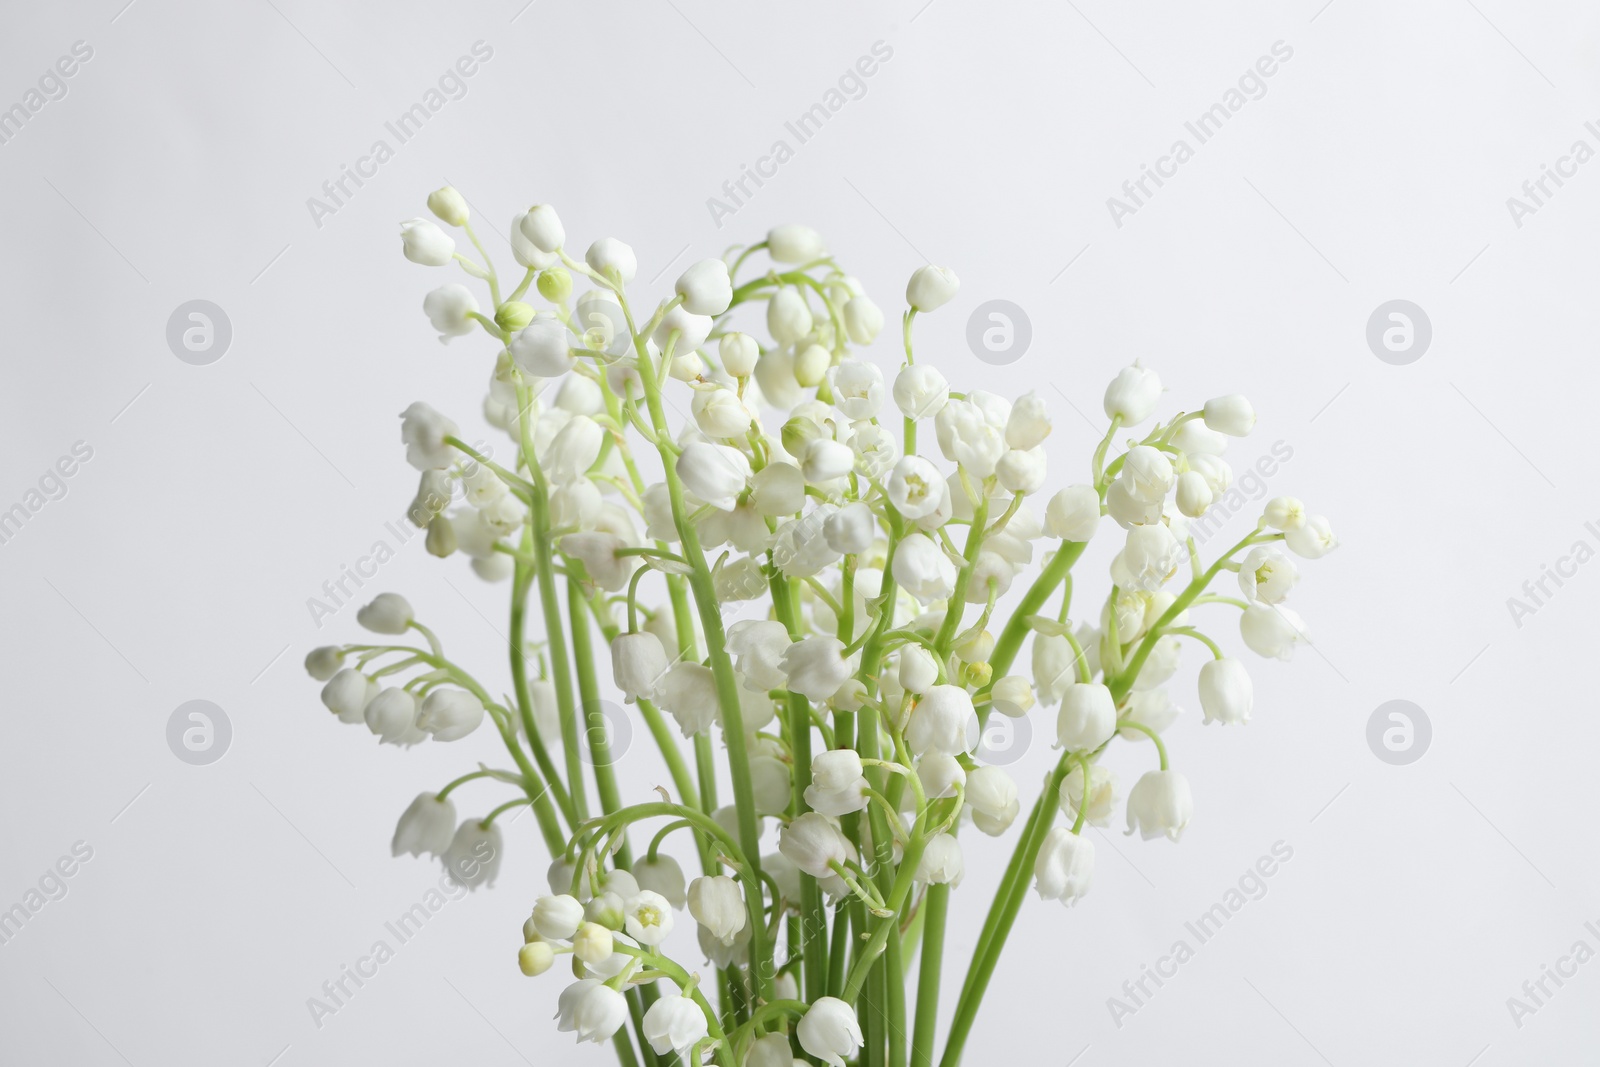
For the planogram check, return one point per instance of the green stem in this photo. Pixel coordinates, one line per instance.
(555, 632)
(1003, 914)
(727, 683)
(935, 905)
(596, 729)
(522, 578)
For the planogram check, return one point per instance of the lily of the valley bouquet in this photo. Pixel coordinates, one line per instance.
(812, 614)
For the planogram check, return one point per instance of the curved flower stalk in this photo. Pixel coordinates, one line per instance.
(816, 580)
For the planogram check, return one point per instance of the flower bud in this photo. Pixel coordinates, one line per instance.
(540, 348)
(1193, 438)
(939, 721)
(1073, 514)
(1133, 395)
(1194, 494)
(1231, 415)
(1160, 803)
(605, 909)
(919, 671)
(674, 1024)
(941, 775)
(771, 1050)
(716, 474)
(661, 875)
(1312, 539)
(449, 309)
(387, 613)
(557, 917)
(1225, 692)
(426, 826)
(1088, 717)
(613, 260)
(816, 666)
(857, 389)
(592, 943)
(1065, 866)
(441, 539)
(829, 1031)
(597, 1012)
(862, 320)
(424, 243)
(812, 841)
(535, 958)
(1272, 631)
(474, 855)
(449, 205)
(716, 904)
(1021, 471)
(920, 391)
(554, 284)
(392, 715)
(739, 352)
(788, 316)
(688, 692)
(1149, 558)
(691, 330)
(542, 227)
(1284, 513)
(1102, 793)
(1029, 423)
(1011, 696)
(976, 648)
(324, 662)
(825, 460)
(922, 569)
(705, 287)
(992, 795)
(931, 287)
(638, 663)
(450, 714)
(347, 694)
(794, 243)
(941, 862)
(851, 529)
(811, 365)
(513, 315)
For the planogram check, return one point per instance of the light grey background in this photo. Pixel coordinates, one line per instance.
(219, 498)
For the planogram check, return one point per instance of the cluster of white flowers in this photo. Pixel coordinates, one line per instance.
(872, 584)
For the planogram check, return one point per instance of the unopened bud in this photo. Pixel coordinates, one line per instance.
(555, 285)
(513, 315)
